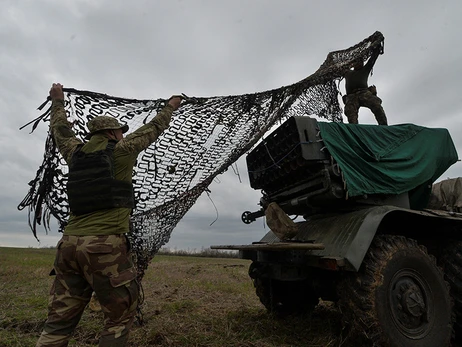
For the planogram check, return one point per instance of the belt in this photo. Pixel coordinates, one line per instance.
(359, 90)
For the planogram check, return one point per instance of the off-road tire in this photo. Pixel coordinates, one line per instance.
(285, 297)
(452, 264)
(399, 298)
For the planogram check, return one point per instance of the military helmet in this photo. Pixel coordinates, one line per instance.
(104, 123)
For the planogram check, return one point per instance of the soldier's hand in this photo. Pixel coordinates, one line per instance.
(56, 92)
(175, 101)
(379, 48)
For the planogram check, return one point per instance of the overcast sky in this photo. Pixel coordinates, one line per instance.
(153, 49)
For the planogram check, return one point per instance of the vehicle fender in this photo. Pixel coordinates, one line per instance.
(344, 235)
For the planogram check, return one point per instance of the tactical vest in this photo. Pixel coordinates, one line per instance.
(92, 185)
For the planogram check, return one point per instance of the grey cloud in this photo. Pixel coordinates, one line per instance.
(152, 49)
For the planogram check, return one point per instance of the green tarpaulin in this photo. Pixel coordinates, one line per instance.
(390, 159)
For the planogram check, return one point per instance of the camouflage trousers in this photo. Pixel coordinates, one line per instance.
(364, 98)
(85, 264)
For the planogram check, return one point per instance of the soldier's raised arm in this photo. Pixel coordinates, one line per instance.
(373, 58)
(142, 137)
(61, 129)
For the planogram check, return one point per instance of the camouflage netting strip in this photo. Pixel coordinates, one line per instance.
(205, 137)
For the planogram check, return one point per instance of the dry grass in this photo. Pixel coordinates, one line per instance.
(189, 301)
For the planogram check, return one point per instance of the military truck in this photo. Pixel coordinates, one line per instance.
(347, 207)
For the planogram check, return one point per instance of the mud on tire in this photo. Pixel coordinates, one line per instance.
(399, 298)
(452, 264)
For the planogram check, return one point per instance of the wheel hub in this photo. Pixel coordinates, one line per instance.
(412, 302)
(408, 296)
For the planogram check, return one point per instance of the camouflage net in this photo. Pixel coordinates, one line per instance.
(205, 137)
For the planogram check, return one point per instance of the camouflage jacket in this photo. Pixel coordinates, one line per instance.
(116, 220)
(358, 79)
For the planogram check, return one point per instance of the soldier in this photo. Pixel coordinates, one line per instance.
(94, 254)
(358, 93)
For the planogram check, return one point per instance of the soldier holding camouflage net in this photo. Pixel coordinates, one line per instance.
(358, 92)
(94, 254)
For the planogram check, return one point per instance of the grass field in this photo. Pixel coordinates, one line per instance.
(189, 301)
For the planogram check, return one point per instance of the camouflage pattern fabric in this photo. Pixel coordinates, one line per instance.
(85, 264)
(94, 304)
(104, 123)
(364, 98)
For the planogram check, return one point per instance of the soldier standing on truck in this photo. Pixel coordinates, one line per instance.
(358, 92)
(94, 253)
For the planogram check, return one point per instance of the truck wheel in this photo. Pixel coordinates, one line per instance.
(285, 297)
(452, 263)
(399, 298)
